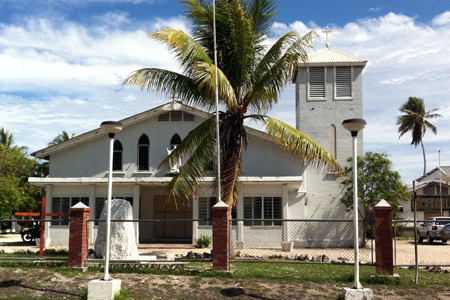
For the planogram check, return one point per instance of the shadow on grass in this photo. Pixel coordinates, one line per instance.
(18, 283)
(237, 292)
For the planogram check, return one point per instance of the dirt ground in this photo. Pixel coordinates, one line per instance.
(36, 283)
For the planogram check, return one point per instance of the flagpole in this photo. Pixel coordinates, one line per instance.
(216, 89)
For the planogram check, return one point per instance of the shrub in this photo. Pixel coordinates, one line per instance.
(203, 241)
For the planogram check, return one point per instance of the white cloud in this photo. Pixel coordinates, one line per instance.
(442, 19)
(375, 9)
(114, 19)
(63, 75)
(406, 58)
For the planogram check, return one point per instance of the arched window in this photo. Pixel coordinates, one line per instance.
(175, 141)
(117, 156)
(143, 153)
(332, 148)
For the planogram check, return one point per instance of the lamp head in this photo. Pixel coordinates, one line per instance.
(111, 126)
(354, 125)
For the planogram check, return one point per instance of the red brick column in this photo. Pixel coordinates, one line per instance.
(221, 214)
(79, 235)
(383, 239)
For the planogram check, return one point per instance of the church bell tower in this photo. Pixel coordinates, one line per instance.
(328, 91)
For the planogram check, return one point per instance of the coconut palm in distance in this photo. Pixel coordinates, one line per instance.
(6, 138)
(415, 120)
(250, 78)
(63, 136)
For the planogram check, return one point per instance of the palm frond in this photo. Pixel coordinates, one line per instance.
(191, 141)
(205, 78)
(200, 147)
(299, 145)
(185, 49)
(263, 14)
(170, 83)
(276, 68)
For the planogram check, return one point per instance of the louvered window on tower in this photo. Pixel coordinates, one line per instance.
(317, 83)
(343, 85)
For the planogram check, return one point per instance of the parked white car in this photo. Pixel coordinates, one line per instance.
(432, 229)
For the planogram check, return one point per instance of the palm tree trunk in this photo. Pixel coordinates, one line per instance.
(424, 157)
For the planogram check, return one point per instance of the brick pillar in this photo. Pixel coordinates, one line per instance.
(221, 214)
(383, 238)
(79, 235)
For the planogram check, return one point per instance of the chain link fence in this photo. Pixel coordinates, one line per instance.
(301, 240)
(435, 254)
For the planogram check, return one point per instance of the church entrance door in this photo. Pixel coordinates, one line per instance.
(169, 212)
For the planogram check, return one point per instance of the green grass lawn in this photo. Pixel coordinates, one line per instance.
(306, 276)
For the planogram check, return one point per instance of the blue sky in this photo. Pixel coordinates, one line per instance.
(63, 61)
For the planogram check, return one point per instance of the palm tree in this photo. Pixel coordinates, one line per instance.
(63, 136)
(250, 78)
(414, 119)
(6, 138)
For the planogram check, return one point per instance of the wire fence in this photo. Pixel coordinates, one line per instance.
(301, 240)
(287, 240)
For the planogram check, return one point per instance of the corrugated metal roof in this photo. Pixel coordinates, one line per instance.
(333, 56)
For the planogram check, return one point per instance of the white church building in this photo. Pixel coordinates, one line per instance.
(274, 185)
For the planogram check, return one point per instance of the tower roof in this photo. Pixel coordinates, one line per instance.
(329, 56)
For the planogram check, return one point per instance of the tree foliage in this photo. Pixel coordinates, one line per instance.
(250, 77)
(16, 194)
(415, 119)
(6, 138)
(63, 136)
(376, 181)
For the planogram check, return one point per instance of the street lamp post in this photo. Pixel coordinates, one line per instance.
(111, 128)
(355, 125)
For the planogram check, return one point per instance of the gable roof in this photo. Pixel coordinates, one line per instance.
(430, 183)
(445, 170)
(130, 121)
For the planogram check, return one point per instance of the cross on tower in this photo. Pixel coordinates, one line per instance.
(327, 31)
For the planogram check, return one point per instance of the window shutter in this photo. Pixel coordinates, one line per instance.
(317, 82)
(176, 116)
(189, 117)
(343, 82)
(165, 117)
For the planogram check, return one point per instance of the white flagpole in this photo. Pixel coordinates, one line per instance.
(219, 192)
